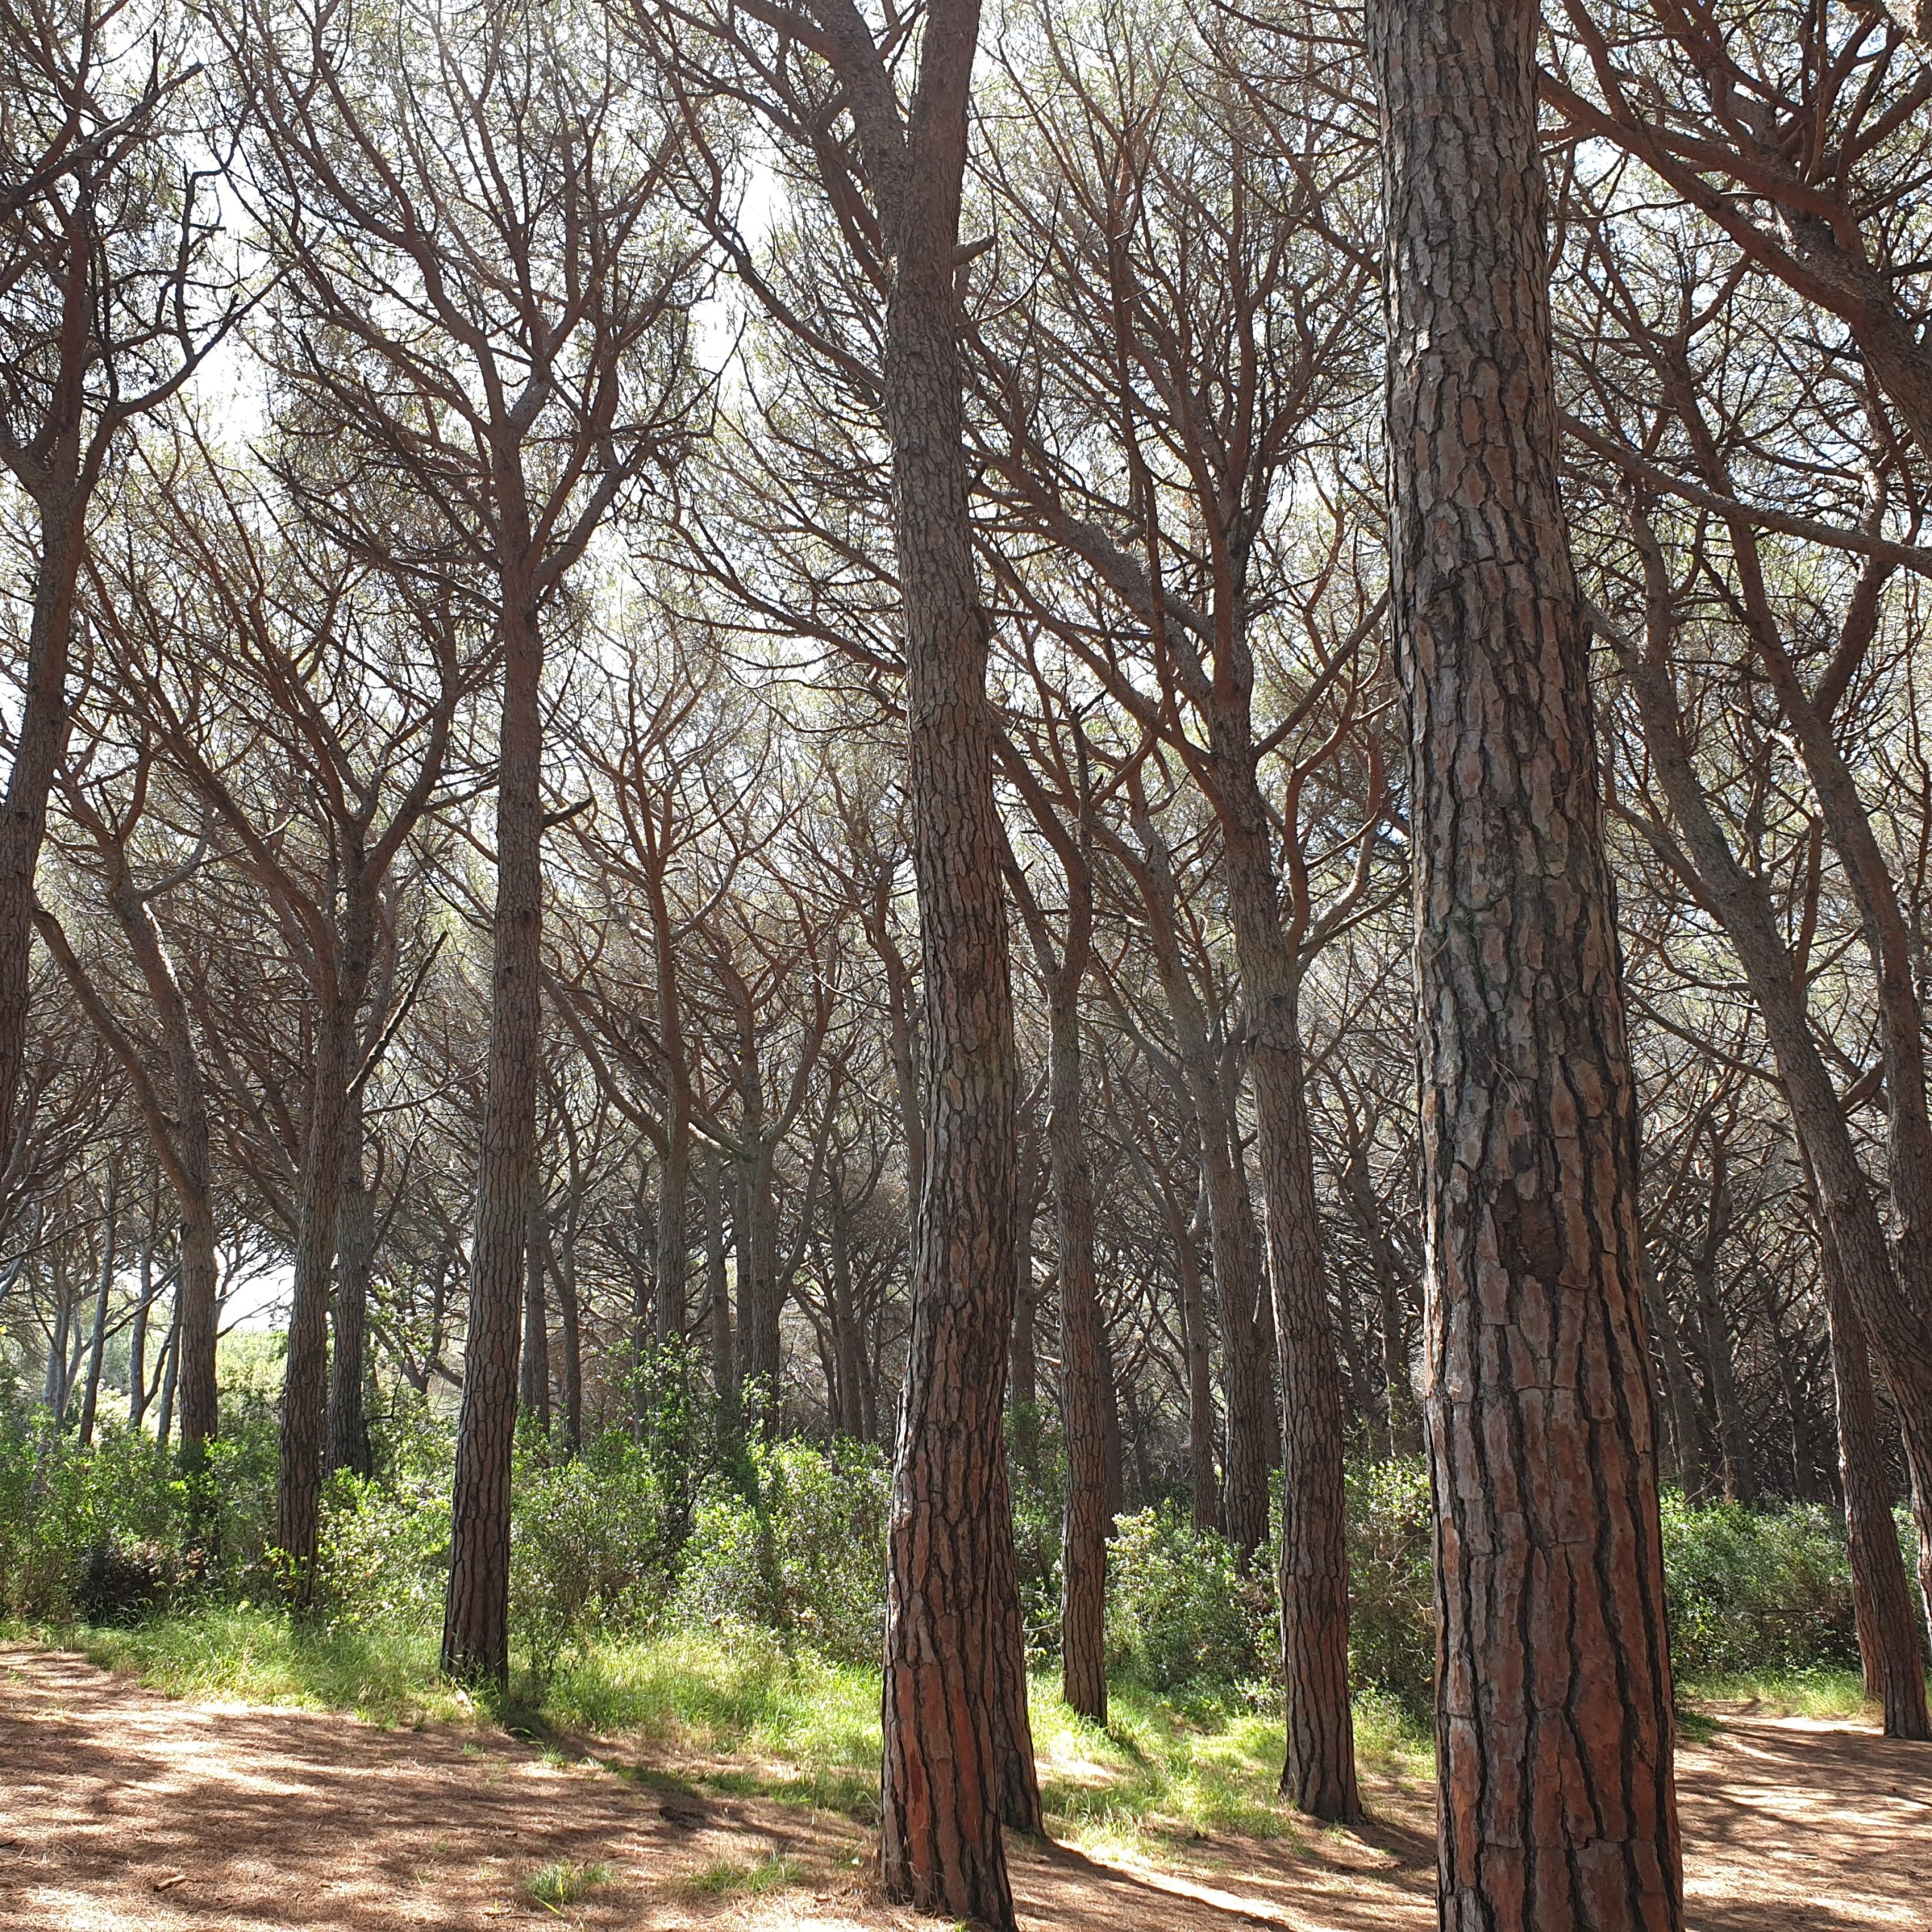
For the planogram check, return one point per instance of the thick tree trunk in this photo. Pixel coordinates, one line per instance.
(476, 1611)
(1890, 1639)
(949, 1754)
(1554, 1720)
(355, 1261)
(1085, 1522)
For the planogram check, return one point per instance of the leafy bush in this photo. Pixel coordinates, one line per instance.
(1756, 1590)
(122, 1582)
(803, 1554)
(590, 1547)
(1391, 1607)
(1178, 1612)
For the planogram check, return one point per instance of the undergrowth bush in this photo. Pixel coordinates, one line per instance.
(678, 1527)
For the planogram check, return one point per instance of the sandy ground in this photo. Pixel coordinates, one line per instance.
(122, 1809)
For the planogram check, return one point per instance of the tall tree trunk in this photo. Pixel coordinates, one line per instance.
(1241, 1289)
(355, 1261)
(947, 1753)
(1203, 1490)
(673, 1238)
(1891, 1640)
(97, 1342)
(1554, 1719)
(1023, 1379)
(137, 1339)
(476, 1611)
(1714, 1332)
(570, 1340)
(847, 1343)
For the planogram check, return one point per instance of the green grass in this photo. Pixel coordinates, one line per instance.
(1824, 1693)
(559, 1884)
(728, 1878)
(258, 1656)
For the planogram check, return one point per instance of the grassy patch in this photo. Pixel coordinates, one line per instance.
(560, 1884)
(729, 1877)
(1823, 1693)
(256, 1656)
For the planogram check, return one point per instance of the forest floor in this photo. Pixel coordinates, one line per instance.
(124, 1811)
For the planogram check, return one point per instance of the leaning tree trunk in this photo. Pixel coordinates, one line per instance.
(1898, 1323)
(476, 1611)
(1554, 1719)
(950, 1545)
(1890, 1643)
(40, 738)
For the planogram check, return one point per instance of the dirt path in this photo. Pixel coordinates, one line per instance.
(121, 1810)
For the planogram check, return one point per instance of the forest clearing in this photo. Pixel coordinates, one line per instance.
(126, 1810)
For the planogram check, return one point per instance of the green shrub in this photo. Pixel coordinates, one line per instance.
(1392, 1606)
(1178, 1612)
(1751, 1589)
(803, 1555)
(590, 1547)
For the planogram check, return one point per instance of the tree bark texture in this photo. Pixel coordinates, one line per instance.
(476, 1611)
(1557, 1806)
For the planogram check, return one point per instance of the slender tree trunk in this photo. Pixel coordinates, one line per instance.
(97, 1344)
(306, 1373)
(1554, 1719)
(673, 1238)
(1897, 1323)
(1319, 1771)
(1023, 1383)
(1683, 1404)
(534, 1370)
(570, 1340)
(1714, 1334)
(1203, 1490)
(137, 1339)
(355, 1261)
(171, 1349)
(1240, 1286)
(847, 1343)
(1084, 1524)
(1890, 1639)
(718, 1287)
(476, 1611)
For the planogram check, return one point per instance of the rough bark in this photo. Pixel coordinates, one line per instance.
(946, 1751)
(1557, 1806)
(476, 1611)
